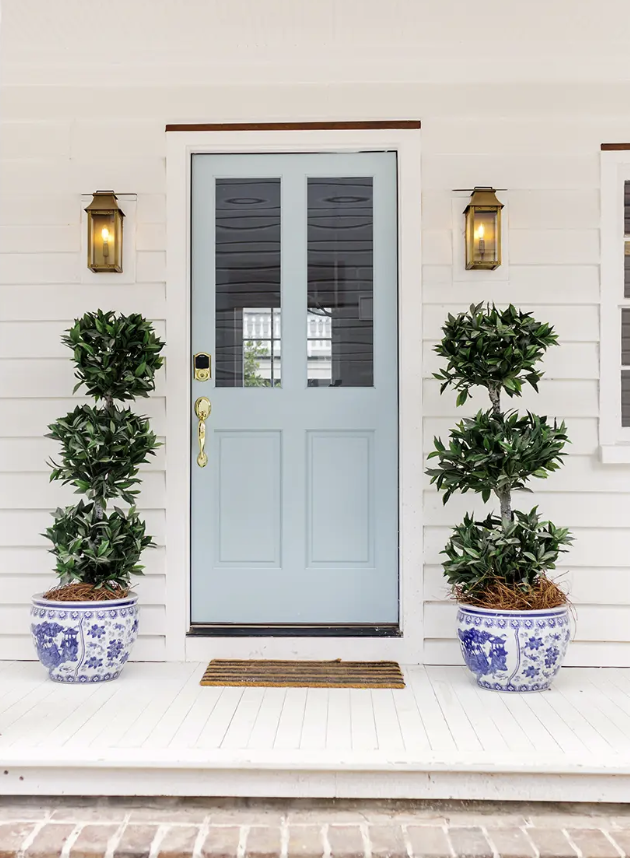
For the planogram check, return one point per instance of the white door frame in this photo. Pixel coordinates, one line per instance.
(181, 145)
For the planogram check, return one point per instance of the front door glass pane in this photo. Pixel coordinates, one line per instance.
(340, 341)
(248, 290)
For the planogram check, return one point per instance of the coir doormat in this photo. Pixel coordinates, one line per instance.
(304, 674)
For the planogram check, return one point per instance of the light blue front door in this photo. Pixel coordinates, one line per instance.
(294, 297)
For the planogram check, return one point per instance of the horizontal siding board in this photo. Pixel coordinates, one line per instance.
(535, 285)
(20, 455)
(569, 398)
(573, 324)
(19, 589)
(20, 647)
(567, 508)
(527, 172)
(151, 208)
(586, 586)
(81, 176)
(24, 527)
(40, 139)
(437, 246)
(151, 236)
(545, 210)
(40, 239)
(48, 268)
(43, 339)
(583, 433)
(570, 361)
(151, 267)
(592, 547)
(33, 416)
(99, 139)
(20, 560)
(34, 491)
(29, 208)
(52, 377)
(35, 302)
(554, 246)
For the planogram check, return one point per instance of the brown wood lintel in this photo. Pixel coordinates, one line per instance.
(298, 126)
(615, 147)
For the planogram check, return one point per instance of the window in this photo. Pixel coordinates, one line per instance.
(615, 307)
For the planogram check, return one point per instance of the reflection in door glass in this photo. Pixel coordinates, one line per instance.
(247, 351)
(340, 282)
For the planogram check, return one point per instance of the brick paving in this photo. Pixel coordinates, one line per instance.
(222, 828)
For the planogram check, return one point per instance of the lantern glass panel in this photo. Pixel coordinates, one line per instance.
(484, 244)
(105, 241)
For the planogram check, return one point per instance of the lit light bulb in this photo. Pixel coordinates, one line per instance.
(105, 234)
(482, 244)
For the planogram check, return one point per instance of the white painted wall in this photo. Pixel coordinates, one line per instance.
(84, 107)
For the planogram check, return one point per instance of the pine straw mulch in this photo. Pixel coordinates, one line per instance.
(79, 592)
(498, 596)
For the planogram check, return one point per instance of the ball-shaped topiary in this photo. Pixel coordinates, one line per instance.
(102, 446)
(496, 453)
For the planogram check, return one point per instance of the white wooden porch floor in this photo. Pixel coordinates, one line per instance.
(156, 731)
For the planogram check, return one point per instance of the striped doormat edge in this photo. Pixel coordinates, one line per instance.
(264, 673)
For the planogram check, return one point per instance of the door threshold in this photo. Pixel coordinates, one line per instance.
(387, 630)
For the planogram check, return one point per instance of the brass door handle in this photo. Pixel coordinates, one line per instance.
(202, 410)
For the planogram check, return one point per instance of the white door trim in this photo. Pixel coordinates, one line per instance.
(180, 147)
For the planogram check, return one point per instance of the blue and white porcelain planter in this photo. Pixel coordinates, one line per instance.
(84, 641)
(513, 650)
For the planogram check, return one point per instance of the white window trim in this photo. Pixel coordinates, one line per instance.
(614, 439)
(180, 146)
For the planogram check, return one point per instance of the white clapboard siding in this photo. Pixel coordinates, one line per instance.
(78, 176)
(40, 239)
(539, 285)
(19, 560)
(586, 586)
(572, 361)
(24, 527)
(569, 398)
(31, 454)
(34, 491)
(61, 302)
(575, 324)
(593, 547)
(582, 433)
(35, 378)
(150, 588)
(31, 417)
(603, 510)
(525, 172)
(43, 339)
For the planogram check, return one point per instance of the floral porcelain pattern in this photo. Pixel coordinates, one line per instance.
(84, 641)
(511, 650)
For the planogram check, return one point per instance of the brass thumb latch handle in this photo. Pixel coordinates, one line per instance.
(202, 410)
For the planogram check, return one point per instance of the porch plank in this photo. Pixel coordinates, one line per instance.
(338, 728)
(362, 723)
(220, 719)
(264, 733)
(438, 730)
(292, 718)
(461, 728)
(243, 722)
(315, 723)
(386, 719)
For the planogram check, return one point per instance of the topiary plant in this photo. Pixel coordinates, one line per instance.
(102, 447)
(502, 560)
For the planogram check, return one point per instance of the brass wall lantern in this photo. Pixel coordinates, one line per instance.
(483, 230)
(105, 233)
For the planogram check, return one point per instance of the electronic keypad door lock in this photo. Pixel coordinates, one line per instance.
(202, 366)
